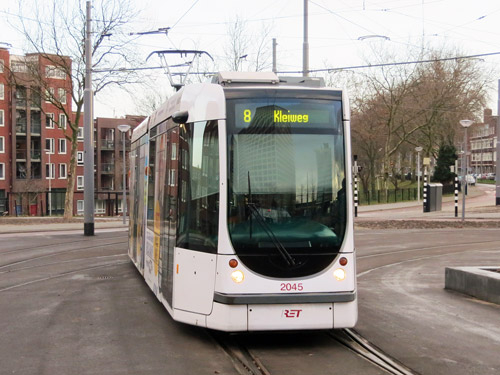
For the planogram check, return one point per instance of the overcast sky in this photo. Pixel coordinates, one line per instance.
(337, 31)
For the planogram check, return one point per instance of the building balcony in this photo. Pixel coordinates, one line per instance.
(107, 144)
(21, 129)
(127, 145)
(36, 155)
(36, 170)
(20, 102)
(21, 154)
(21, 170)
(36, 129)
(107, 168)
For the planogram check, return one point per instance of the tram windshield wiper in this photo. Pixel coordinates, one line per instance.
(260, 219)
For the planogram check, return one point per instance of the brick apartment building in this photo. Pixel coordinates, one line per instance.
(34, 152)
(108, 164)
(32, 130)
(482, 145)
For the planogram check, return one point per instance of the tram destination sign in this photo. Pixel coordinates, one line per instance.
(295, 113)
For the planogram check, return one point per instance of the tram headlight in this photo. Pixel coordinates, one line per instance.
(339, 274)
(237, 276)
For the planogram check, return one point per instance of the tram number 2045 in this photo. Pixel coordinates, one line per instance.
(288, 287)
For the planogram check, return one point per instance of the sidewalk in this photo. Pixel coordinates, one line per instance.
(479, 208)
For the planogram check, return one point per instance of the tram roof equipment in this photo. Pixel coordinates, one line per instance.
(262, 78)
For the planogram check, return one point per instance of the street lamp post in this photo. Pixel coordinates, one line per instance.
(418, 149)
(48, 152)
(465, 124)
(123, 129)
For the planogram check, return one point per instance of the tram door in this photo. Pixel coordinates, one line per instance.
(169, 214)
(198, 216)
(132, 249)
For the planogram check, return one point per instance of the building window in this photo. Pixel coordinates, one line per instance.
(174, 151)
(2, 171)
(62, 95)
(50, 170)
(2, 145)
(99, 206)
(63, 171)
(18, 67)
(2, 63)
(79, 182)
(54, 72)
(62, 145)
(2, 91)
(79, 157)
(49, 145)
(62, 121)
(172, 177)
(79, 207)
(1, 117)
(80, 134)
(49, 120)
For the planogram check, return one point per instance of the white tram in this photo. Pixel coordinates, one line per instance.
(240, 204)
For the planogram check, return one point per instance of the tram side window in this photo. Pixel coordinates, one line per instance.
(199, 195)
(151, 183)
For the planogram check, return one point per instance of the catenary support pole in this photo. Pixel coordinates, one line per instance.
(497, 178)
(124, 173)
(305, 45)
(275, 69)
(88, 134)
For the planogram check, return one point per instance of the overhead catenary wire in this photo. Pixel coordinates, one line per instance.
(329, 70)
(186, 12)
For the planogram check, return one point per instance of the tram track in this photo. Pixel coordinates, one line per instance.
(61, 274)
(61, 262)
(395, 252)
(247, 363)
(353, 341)
(58, 243)
(63, 252)
(243, 360)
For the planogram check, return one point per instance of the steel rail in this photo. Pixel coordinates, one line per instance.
(243, 360)
(362, 347)
(51, 277)
(59, 253)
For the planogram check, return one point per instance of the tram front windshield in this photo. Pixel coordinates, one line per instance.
(287, 188)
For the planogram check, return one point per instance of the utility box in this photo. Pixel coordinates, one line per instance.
(435, 196)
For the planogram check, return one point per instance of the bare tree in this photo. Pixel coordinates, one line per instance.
(56, 33)
(450, 90)
(243, 46)
(238, 44)
(150, 101)
(417, 104)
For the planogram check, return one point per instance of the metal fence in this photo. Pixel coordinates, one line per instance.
(396, 195)
(388, 196)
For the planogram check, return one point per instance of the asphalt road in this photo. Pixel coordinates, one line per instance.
(75, 305)
(405, 310)
(81, 308)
